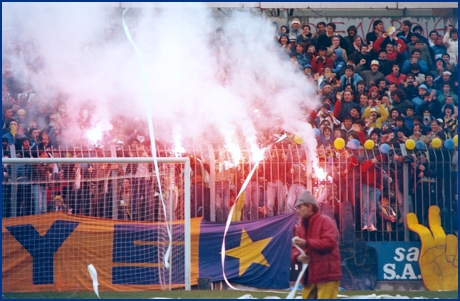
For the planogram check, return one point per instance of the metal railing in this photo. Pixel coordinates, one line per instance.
(411, 182)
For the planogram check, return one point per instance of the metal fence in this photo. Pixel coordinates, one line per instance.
(353, 190)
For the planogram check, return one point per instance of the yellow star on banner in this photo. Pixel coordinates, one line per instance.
(249, 252)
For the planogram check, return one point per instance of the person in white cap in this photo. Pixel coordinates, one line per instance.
(370, 76)
(295, 30)
(446, 78)
(318, 236)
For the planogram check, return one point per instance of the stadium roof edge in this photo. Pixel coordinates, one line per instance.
(298, 5)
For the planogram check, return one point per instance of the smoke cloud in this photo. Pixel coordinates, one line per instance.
(201, 90)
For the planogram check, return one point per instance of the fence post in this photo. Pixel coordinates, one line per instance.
(14, 187)
(406, 196)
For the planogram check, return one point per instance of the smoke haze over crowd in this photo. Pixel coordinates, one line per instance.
(200, 91)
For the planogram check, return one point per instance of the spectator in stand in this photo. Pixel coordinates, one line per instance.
(362, 58)
(320, 29)
(415, 59)
(7, 115)
(432, 37)
(325, 114)
(356, 45)
(439, 68)
(338, 133)
(419, 77)
(399, 101)
(302, 60)
(396, 76)
(450, 120)
(326, 39)
(350, 77)
(21, 117)
(429, 82)
(343, 108)
(431, 104)
(405, 33)
(308, 71)
(335, 47)
(439, 48)
(13, 133)
(339, 63)
(326, 138)
(360, 89)
(395, 54)
(409, 119)
(347, 124)
(26, 99)
(370, 76)
(451, 42)
(295, 30)
(34, 135)
(355, 114)
(419, 30)
(306, 35)
(310, 51)
(417, 134)
(400, 124)
(384, 63)
(8, 101)
(410, 86)
(375, 135)
(450, 101)
(449, 66)
(435, 128)
(385, 102)
(40, 177)
(363, 102)
(418, 100)
(374, 94)
(382, 87)
(326, 91)
(350, 39)
(375, 121)
(424, 52)
(321, 61)
(446, 92)
(446, 79)
(358, 128)
(326, 77)
(285, 46)
(396, 44)
(43, 145)
(371, 191)
(377, 31)
(426, 122)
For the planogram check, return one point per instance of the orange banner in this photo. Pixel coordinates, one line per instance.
(51, 252)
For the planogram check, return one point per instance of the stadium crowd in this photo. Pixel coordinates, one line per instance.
(387, 87)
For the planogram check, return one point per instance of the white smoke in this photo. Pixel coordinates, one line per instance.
(199, 91)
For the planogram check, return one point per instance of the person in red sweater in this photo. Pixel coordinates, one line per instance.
(400, 46)
(319, 62)
(318, 236)
(396, 76)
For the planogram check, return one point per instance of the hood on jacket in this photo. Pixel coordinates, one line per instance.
(352, 27)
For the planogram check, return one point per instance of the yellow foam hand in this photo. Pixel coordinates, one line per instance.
(439, 254)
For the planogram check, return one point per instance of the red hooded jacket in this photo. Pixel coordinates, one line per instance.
(322, 239)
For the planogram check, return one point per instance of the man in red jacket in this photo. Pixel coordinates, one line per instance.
(318, 236)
